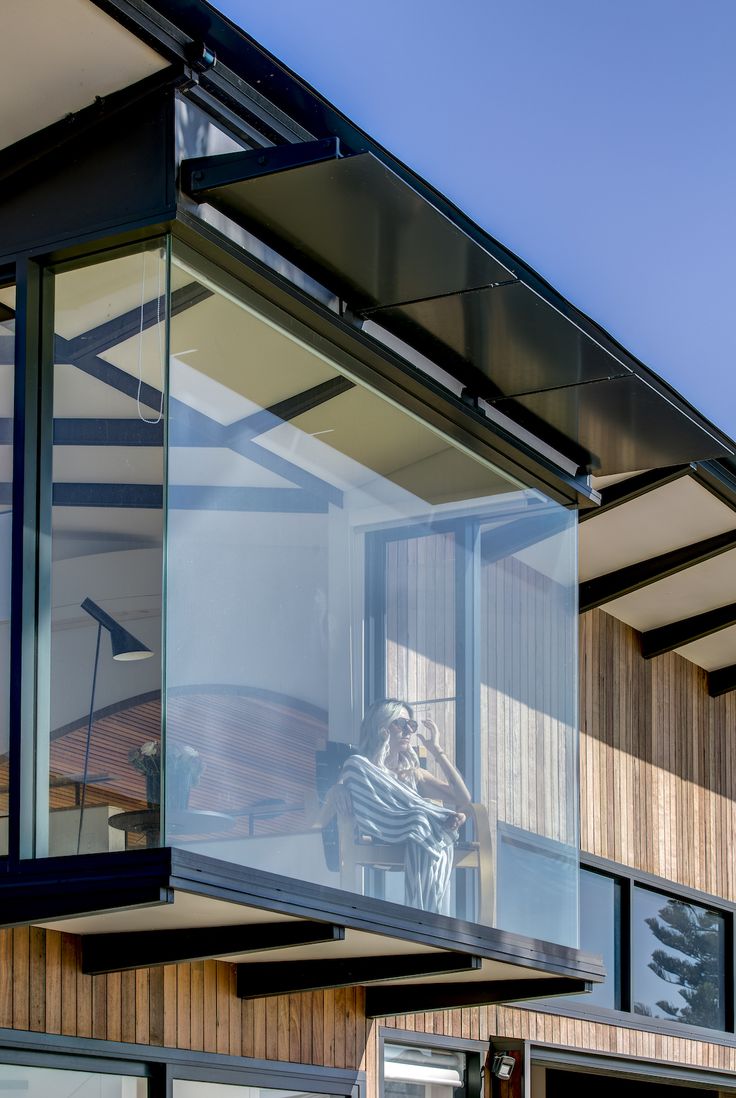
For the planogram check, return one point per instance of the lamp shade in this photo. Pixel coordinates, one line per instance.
(124, 645)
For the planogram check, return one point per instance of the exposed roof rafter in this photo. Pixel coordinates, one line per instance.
(288, 977)
(655, 642)
(722, 681)
(139, 949)
(614, 585)
(381, 1002)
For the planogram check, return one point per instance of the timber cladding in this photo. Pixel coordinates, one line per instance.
(194, 1006)
(658, 779)
(657, 794)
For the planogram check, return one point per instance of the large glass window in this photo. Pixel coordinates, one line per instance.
(600, 934)
(370, 634)
(18, 1081)
(368, 638)
(7, 368)
(678, 960)
(102, 716)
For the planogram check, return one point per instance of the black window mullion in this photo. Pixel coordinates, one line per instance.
(34, 363)
(626, 944)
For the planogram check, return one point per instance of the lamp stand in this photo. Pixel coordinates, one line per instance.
(85, 772)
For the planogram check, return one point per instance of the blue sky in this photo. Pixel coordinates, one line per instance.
(595, 138)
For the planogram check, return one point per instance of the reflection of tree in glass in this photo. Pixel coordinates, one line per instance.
(694, 935)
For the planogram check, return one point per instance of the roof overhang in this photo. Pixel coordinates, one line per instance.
(163, 906)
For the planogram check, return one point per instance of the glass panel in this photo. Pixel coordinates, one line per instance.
(7, 367)
(678, 960)
(188, 1088)
(410, 1072)
(17, 1081)
(600, 934)
(528, 714)
(319, 537)
(107, 532)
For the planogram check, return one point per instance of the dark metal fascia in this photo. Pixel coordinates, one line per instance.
(614, 585)
(655, 642)
(201, 875)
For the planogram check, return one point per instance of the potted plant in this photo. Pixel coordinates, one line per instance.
(184, 768)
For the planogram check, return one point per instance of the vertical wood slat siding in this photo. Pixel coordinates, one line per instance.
(194, 1006)
(657, 774)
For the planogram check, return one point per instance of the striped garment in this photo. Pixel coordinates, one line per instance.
(392, 812)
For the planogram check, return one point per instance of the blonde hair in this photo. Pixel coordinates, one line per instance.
(374, 736)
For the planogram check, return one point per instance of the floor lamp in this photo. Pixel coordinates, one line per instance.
(124, 647)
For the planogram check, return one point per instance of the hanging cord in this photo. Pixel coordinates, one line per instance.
(159, 326)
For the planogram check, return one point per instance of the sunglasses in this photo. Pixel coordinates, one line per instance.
(407, 727)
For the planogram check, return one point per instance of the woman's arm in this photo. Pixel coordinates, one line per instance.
(453, 790)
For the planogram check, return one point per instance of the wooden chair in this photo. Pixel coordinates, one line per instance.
(356, 852)
(349, 853)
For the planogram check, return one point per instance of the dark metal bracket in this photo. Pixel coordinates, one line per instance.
(255, 981)
(140, 949)
(201, 174)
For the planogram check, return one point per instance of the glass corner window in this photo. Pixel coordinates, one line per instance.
(367, 633)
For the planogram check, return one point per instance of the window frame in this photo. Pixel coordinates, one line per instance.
(162, 1065)
(475, 1052)
(629, 879)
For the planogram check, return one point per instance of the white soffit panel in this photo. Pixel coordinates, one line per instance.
(717, 650)
(599, 483)
(668, 518)
(59, 55)
(703, 587)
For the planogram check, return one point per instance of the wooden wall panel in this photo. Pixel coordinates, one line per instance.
(657, 763)
(194, 1006)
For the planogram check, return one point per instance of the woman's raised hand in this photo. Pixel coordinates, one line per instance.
(430, 736)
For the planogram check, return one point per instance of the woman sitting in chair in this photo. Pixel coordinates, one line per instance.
(391, 799)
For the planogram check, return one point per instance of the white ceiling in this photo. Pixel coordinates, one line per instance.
(59, 55)
(677, 514)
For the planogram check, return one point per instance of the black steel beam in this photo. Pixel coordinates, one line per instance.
(120, 328)
(633, 487)
(655, 642)
(613, 585)
(22, 908)
(288, 409)
(140, 949)
(288, 977)
(184, 497)
(201, 174)
(381, 1002)
(722, 681)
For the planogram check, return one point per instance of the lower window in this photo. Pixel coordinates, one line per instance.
(18, 1081)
